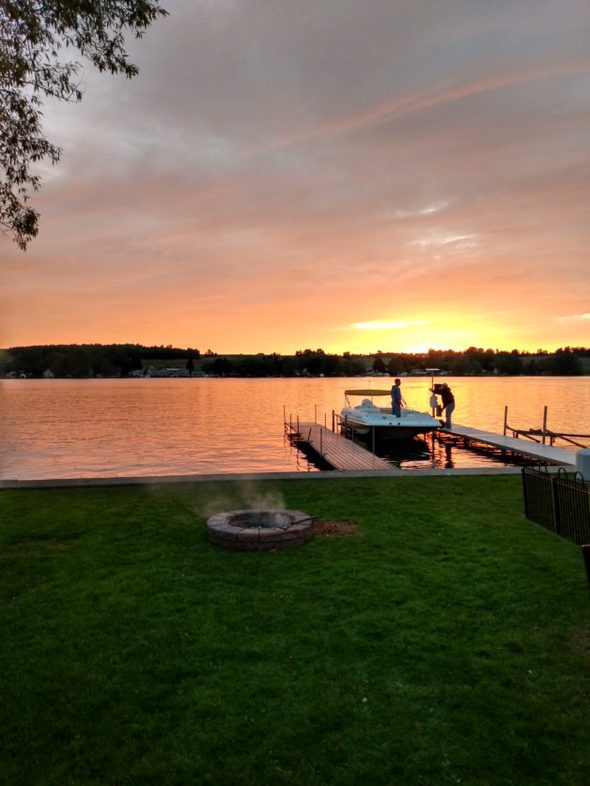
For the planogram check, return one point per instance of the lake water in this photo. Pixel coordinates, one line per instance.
(115, 427)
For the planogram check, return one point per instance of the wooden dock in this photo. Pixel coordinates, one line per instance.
(339, 452)
(548, 453)
(344, 455)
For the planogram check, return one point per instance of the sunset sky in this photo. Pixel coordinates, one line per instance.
(355, 175)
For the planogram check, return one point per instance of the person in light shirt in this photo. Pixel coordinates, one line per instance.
(397, 399)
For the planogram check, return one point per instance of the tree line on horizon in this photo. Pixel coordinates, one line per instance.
(121, 360)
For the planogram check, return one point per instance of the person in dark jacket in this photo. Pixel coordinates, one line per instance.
(448, 404)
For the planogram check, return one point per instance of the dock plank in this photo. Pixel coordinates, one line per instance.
(340, 452)
(548, 453)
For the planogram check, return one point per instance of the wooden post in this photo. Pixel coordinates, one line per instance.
(433, 412)
(544, 424)
(373, 437)
(586, 555)
(505, 419)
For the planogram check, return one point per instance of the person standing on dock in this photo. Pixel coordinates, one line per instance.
(448, 405)
(396, 398)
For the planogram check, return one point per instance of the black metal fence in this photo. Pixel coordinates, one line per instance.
(558, 501)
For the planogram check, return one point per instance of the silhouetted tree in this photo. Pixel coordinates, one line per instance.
(220, 366)
(83, 360)
(566, 363)
(396, 364)
(379, 364)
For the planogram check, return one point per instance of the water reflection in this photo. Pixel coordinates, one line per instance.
(446, 451)
(111, 427)
(407, 453)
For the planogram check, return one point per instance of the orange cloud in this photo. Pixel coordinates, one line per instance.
(414, 103)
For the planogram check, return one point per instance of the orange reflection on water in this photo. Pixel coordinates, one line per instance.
(118, 427)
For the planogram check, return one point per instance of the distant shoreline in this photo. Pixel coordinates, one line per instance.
(8, 378)
(94, 361)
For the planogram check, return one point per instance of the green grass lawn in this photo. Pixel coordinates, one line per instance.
(446, 642)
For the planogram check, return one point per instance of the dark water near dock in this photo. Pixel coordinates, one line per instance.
(117, 427)
(446, 451)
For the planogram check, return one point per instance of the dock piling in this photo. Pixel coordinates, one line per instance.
(545, 425)
(543, 435)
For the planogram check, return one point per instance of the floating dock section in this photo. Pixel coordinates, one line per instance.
(536, 450)
(339, 452)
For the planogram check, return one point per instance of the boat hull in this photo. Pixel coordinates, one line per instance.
(385, 426)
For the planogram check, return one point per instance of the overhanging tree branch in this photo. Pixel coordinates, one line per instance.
(33, 35)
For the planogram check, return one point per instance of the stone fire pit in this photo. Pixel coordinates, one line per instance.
(255, 530)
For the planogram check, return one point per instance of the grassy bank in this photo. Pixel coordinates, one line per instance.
(446, 642)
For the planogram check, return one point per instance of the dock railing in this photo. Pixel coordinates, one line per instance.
(544, 435)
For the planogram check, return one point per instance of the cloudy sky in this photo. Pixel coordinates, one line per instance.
(347, 174)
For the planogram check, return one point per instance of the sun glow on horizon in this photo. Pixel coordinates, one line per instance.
(444, 331)
(388, 325)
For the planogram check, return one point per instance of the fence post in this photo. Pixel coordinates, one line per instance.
(556, 504)
(525, 491)
(586, 555)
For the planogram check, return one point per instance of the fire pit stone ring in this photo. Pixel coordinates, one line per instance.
(259, 529)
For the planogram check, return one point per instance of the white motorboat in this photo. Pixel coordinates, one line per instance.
(368, 419)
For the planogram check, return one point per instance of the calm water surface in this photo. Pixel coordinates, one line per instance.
(114, 427)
